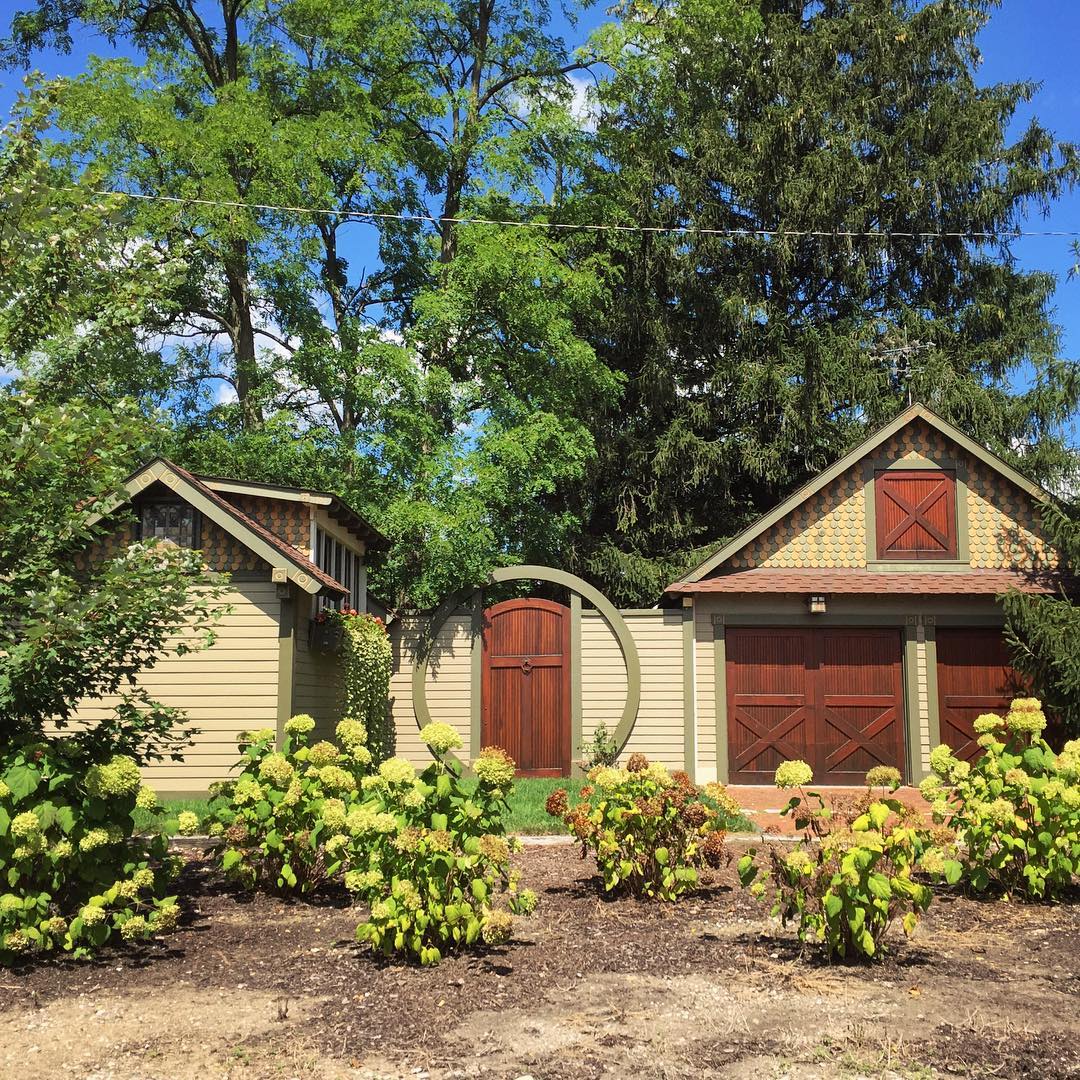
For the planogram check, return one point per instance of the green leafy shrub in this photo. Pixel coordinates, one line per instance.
(438, 877)
(72, 875)
(1016, 808)
(852, 873)
(284, 823)
(601, 749)
(651, 831)
(366, 659)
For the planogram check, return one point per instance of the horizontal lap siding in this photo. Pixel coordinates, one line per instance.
(449, 683)
(317, 687)
(603, 678)
(658, 732)
(705, 691)
(223, 690)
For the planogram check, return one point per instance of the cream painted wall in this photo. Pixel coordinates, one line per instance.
(658, 635)
(658, 731)
(449, 682)
(223, 690)
(317, 686)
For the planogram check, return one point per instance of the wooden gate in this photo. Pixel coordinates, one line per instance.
(833, 698)
(525, 689)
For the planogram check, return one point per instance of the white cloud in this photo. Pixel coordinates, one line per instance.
(225, 394)
(584, 107)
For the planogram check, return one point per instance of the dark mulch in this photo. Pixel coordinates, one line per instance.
(299, 948)
(302, 950)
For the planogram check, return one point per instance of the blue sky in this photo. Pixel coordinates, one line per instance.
(1026, 39)
(1036, 39)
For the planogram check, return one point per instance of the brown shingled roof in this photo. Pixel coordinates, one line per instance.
(294, 555)
(766, 579)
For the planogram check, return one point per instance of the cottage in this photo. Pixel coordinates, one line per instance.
(288, 552)
(856, 624)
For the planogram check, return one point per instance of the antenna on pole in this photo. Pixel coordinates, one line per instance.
(901, 360)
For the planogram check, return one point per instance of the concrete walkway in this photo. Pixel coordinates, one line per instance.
(763, 804)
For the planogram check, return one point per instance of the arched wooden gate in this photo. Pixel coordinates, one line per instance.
(526, 684)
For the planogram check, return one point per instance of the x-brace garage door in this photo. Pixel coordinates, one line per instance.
(832, 697)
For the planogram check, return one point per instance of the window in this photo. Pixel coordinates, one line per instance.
(344, 565)
(173, 521)
(916, 513)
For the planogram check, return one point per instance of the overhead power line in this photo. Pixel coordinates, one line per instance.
(371, 216)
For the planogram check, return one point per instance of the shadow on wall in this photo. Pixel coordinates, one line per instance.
(452, 640)
(1018, 547)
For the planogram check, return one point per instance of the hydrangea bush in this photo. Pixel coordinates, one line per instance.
(651, 831)
(852, 872)
(1016, 808)
(288, 821)
(437, 876)
(72, 874)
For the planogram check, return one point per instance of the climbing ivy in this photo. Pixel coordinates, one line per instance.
(366, 661)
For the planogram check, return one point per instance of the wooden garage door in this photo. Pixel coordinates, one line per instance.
(525, 685)
(833, 698)
(974, 677)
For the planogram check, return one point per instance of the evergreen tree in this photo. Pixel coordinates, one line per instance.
(752, 360)
(1044, 631)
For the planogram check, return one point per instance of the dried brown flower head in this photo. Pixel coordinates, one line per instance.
(558, 802)
(714, 850)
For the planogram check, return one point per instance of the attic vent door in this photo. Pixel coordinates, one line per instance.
(916, 513)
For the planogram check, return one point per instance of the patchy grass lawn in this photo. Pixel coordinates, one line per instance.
(145, 821)
(527, 813)
(265, 989)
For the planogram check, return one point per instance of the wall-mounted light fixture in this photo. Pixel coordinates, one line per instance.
(816, 604)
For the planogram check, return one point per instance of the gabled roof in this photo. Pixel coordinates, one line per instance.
(337, 508)
(868, 445)
(280, 554)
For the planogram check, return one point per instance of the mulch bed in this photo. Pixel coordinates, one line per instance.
(368, 1005)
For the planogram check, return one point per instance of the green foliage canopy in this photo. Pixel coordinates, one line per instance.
(612, 402)
(79, 626)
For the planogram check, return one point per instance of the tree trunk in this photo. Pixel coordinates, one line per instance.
(243, 335)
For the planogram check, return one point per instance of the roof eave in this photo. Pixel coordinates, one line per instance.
(161, 470)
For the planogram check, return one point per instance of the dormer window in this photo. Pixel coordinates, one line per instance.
(175, 521)
(916, 514)
(344, 565)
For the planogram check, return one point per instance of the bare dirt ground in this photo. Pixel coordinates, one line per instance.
(262, 988)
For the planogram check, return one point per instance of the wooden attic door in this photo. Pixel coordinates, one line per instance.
(525, 685)
(916, 513)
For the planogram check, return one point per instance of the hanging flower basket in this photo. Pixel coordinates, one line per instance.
(325, 634)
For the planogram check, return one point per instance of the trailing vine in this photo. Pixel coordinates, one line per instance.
(366, 662)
